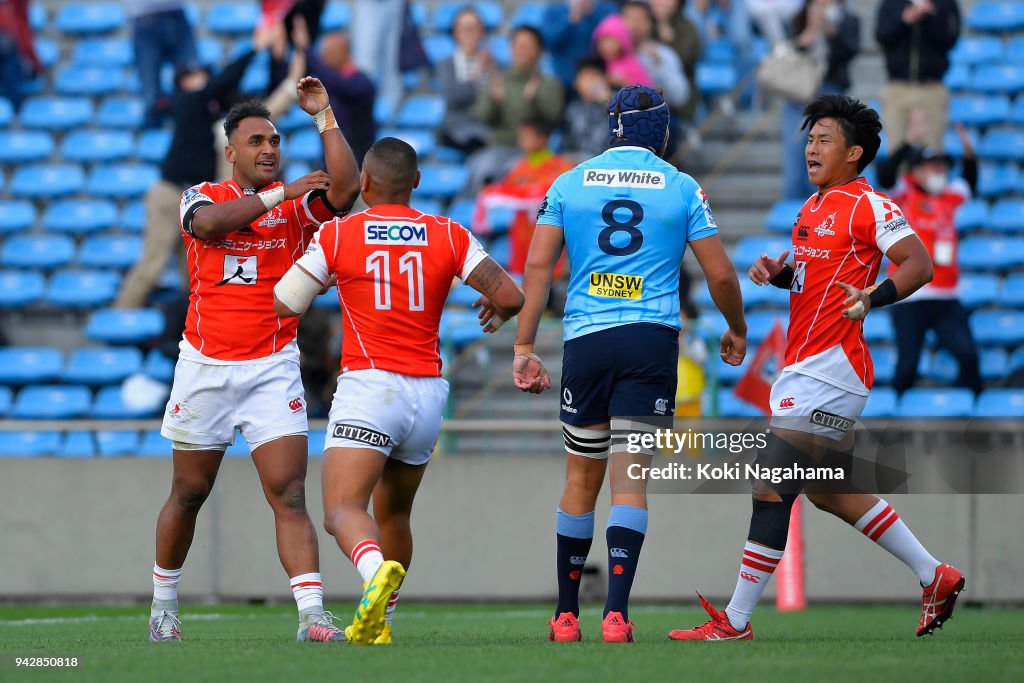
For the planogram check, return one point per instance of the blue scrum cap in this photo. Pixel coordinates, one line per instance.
(639, 115)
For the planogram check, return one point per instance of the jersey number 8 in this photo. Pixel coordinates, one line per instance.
(629, 226)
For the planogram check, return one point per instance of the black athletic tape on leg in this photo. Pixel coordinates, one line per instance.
(779, 453)
(769, 522)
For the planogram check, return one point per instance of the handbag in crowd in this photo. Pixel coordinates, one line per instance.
(791, 73)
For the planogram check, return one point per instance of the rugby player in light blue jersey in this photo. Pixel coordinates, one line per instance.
(625, 217)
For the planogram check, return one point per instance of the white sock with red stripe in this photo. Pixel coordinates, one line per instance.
(308, 592)
(165, 584)
(392, 604)
(367, 558)
(756, 568)
(883, 526)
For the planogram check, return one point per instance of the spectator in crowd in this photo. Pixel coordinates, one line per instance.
(916, 37)
(674, 29)
(772, 17)
(510, 97)
(826, 30)
(198, 101)
(929, 199)
(376, 37)
(717, 19)
(586, 118)
(614, 45)
(523, 189)
(18, 59)
(287, 11)
(162, 35)
(351, 90)
(461, 77)
(568, 33)
(660, 61)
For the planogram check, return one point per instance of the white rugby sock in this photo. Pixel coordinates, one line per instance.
(308, 592)
(165, 589)
(756, 569)
(367, 558)
(883, 526)
(392, 605)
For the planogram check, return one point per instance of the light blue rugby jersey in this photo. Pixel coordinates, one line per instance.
(626, 216)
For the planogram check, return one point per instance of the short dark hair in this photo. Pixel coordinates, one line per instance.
(468, 9)
(859, 122)
(392, 163)
(590, 62)
(541, 125)
(525, 28)
(243, 110)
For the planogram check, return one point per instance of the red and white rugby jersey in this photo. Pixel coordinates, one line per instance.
(395, 267)
(839, 236)
(231, 316)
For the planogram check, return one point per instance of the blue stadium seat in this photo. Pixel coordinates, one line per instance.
(782, 215)
(459, 328)
(29, 444)
(438, 47)
(985, 253)
(110, 251)
(122, 181)
(47, 181)
(6, 112)
(328, 301)
(1000, 403)
(940, 366)
(120, 112)
(1017, 359)
(80, 216)
(760, 324)
(972, 215)
(336, 17)
(133, 217)
(51, 402)
(1003, 145)
(998, 328)
(22, 146)
(994, 364)
(461, 211)
(88, 80)
(56, 113)
(304, 146)
(36, 16)
(500, 219)
(79, 444)
(995, 180)
(294, 119)
(233, 18)
(154, 445)
(211, 50)
(878, 328)
(491, 13)
(383, 112)
(171, 279)
(449, 155)
(978, 289)
(884, 359)
(19, 215)
(979, 110)
(6, 400)
(441, 180)
(256, 79)
(719, 51)
(936, 403)
(462, 295)
(749, 249)
(715, 79)
(999, 17)
(153, 145)
(20, 288)
(753, 296)
(97, 366)
(998, 78)
(89, 18)
(952, 145)
(37, 251)
(29, 364)
(1007, 216)
(421, 111)
(316, 443)
(1015, 50)
(293, 172)
(881, 403)
(48, 51)
(500, 249)
(82, 288)
(110, 405)
(158, 366)
(103, 52)
(428, 206)
(971, 50)
(728, 375)
(93, 146)
(124, 326)
(730, 406)
(958, 77)
(113, 443)
(500, 48)
(423, 141)
(1012, 292)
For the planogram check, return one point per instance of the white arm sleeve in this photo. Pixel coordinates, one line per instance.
(296, 290)
(475, 254)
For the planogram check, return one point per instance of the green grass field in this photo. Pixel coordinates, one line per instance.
(508, 643)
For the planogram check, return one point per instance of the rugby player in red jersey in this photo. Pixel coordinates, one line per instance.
(239, 363)
(394, 267)
(839, 238)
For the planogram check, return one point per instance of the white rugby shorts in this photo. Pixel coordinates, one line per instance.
(398, 415)
(807, 404)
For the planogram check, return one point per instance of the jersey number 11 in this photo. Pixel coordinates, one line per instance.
(410, 264)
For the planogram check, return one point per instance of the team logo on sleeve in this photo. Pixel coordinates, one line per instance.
(404, 233)
(705, 204)
(649, 180)
(238, 270)
(543, 207)
(616, 286)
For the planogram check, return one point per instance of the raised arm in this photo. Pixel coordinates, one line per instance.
(341, 163)
(725, 292)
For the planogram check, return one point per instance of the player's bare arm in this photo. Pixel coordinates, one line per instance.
(213, 221)
(528, 373)
(725, 292)
(341, 163)
(913, 271)
(500, 297)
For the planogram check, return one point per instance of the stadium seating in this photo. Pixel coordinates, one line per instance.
(749, 249)
(120, 112)
(22, 146)
(158, 366)
(921, 402)
(78, 444)
(444, 15)
(82, 289)
(122, 180)
(972, 215)
(117, 443)
(29, 444)
(20, 288)
(996, 16)
(972, 50)
(716, 79)
(730, 406)
(233, 18)
(51, 402)
(1003, 328)
(883, 402)
(1008, 216)
(1000, 403)
(109, 405)
(124, 326)
(983, 253)
(47, 181)
(978, 110)
(1012, 293)
(19, 215)
(994, 364)
(423, 141)
(103, 52)
(89, 18)
(45, 252)
(978, 289)
(133, 217)
(441, 180)
(995, 180)
(110, 251)
(782, 215)
(80, 216)
(98, 366)
(336, 16)
(154, 444)
(438, 47)
(93, 146)
(89, 80)
(29, 365)
(304, 146)
(421, 111)
(1004, 145)
(6, 111)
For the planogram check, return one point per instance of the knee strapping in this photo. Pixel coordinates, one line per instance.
(769, 522)
(590, 443)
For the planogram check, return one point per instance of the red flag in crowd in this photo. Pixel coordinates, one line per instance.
(756, 384)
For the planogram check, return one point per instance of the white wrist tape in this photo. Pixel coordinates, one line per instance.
(271, 198)
(496, 322)
(325, 119)
(296, 290)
